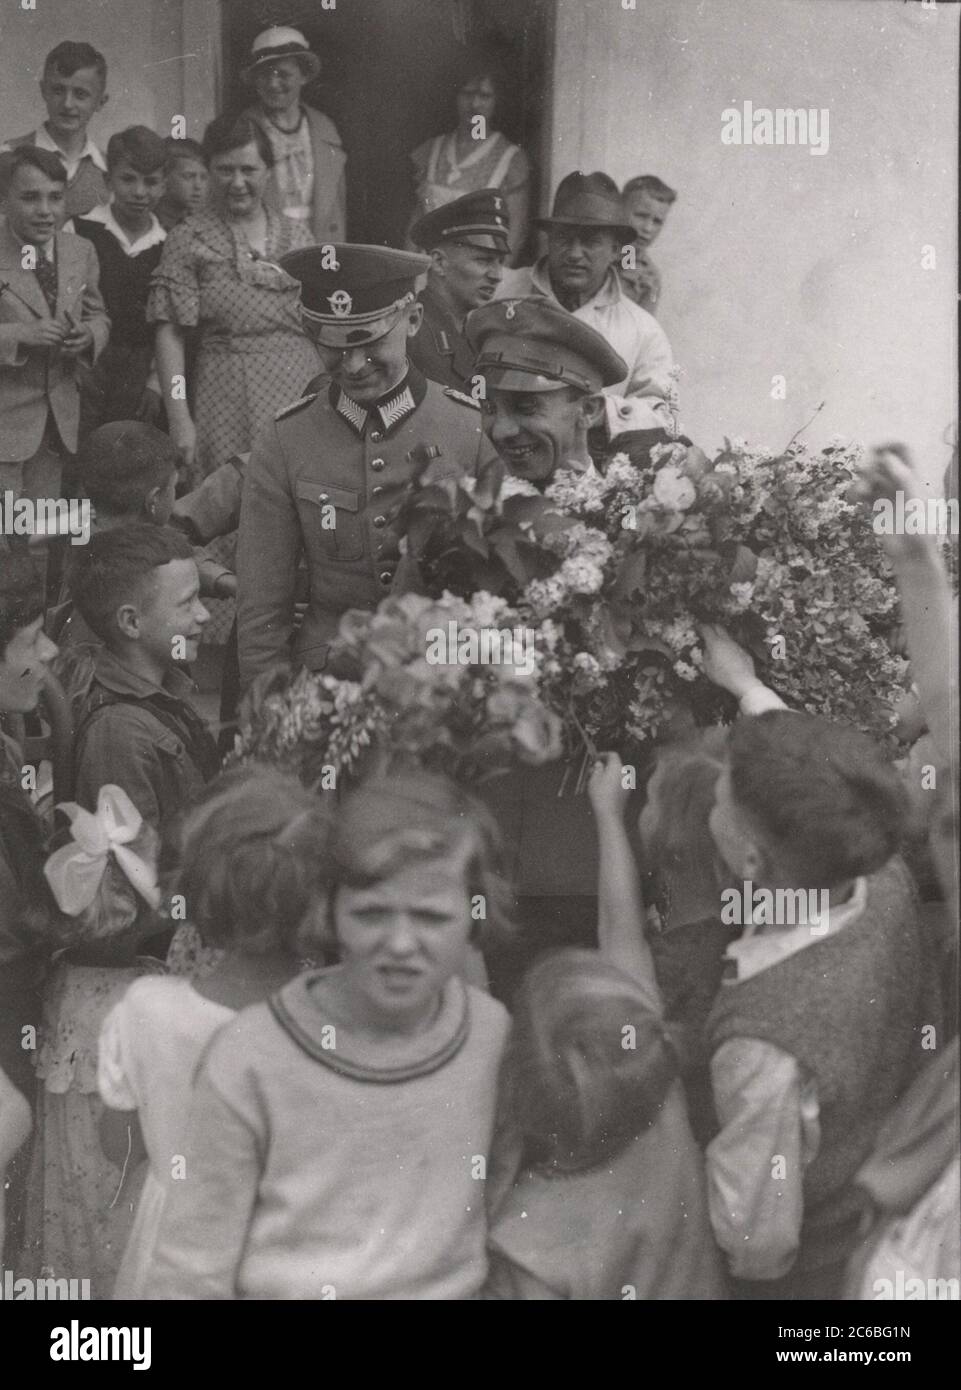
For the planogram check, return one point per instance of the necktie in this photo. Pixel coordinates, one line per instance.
(46, 273)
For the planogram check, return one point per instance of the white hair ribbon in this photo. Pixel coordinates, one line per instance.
(75, 870)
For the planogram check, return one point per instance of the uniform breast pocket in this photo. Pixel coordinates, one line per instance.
(332, 521)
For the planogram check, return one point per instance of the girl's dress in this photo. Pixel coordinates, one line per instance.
(324, 1165)
(634, 1227)
(149, 1047)
(252, 356)
(84, 1220)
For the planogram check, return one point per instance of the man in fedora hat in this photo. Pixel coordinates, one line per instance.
(586, 232)
(324, 476)
(308, 180)
(467, 241)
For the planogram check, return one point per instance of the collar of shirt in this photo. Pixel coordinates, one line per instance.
(609, 293)
(43, 140)
(104, 214)
(111, 673)
(753, 954)
(393, 408)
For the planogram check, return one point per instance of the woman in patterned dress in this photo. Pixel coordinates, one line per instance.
(218, 275)
(459, 162)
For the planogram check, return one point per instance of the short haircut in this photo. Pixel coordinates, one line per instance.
(387, 823)
(234, 132)
(120, 463)
(575, 1094)
(182, 149)
(252, 861)
(820, 795)
(139, 146)
(21, 596)
(686, 789)
(650, 183)
(68, 58)
(29, 157)
(116, 568)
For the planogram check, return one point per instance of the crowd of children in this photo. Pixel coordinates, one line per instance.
(247, 1046)
(329, 1109)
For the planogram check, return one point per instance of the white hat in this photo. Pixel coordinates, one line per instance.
(282, 42)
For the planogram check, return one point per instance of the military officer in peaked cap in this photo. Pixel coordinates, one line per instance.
(467, 241)
(324, 475)
(543, 372)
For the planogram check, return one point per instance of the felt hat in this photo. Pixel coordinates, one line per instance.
(588, 200)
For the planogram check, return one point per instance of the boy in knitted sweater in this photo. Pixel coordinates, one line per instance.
(820, 1020)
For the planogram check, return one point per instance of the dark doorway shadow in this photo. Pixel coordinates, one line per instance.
(388, 83)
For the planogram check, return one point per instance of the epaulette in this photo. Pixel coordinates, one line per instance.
(296, 405)
(462, 397)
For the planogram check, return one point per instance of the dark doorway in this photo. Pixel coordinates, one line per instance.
(388, 82)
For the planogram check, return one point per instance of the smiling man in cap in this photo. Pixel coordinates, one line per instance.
(544, 372)
(585, 234)
(325, 474)
(467, 241)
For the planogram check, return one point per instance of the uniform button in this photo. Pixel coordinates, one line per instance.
(376, 436)
(376, 491)
(377, 465)
(386, 577)
(380, 521)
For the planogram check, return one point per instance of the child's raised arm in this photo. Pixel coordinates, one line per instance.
(620, 925)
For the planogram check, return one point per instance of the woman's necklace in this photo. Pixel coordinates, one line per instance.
(287, 130)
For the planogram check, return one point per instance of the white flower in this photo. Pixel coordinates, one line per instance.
(581, 575)
(546, 595)
(516, 487)
(486, 609)
(685, 671)
(673, 490)
(742, 593)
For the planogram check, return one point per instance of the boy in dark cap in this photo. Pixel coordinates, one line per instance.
(467, 241)
(324, 475)
(543, 372)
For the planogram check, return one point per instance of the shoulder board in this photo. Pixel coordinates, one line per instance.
(296, 405)
(462, 397)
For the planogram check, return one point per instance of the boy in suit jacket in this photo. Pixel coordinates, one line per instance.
(52, 319)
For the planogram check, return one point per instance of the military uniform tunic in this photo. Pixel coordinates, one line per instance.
(440, 349)
(327, 451)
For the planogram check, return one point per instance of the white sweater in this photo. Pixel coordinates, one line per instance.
(318, 1172)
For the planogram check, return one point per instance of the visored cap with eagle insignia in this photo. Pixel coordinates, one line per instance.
(478, 219)
(360, 300)
(534, 345)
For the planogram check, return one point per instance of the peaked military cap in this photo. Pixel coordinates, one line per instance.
(480, 219)
(355, 295)
(534, 345)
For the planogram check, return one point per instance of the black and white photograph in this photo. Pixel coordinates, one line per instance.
(479, 661)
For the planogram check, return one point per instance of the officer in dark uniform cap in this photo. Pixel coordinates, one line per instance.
(468, 245)
(543, 372)
(324, 475)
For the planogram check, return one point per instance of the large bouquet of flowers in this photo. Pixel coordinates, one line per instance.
(466, 718)
(603, 580)
(614, 572)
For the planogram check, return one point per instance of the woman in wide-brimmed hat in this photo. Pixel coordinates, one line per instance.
(308, 181)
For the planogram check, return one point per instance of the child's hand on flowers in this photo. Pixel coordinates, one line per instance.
(605, 787)
(726, 663)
